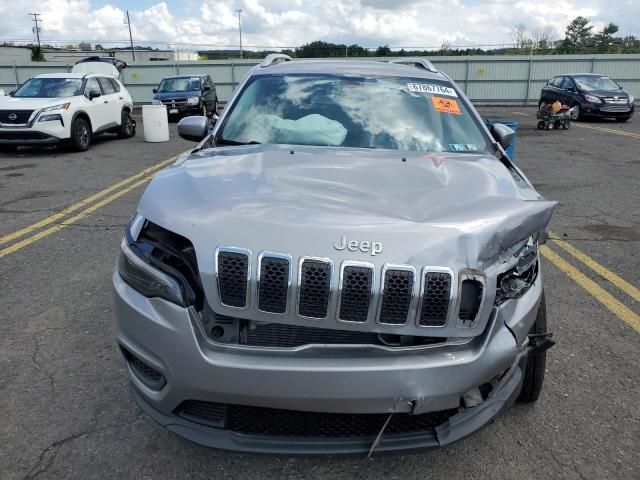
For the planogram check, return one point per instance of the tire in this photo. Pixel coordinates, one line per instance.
(540, 105)
(541, 125)
(622, 119)
(127, 128)
(534, 372)
(566, 125)
(8, 148)
(549, 125)
(81, 134)
(575, 115)
(557, 124)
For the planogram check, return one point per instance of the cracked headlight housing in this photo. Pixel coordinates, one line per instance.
(159, 263)
(193, 100)
(516, 281)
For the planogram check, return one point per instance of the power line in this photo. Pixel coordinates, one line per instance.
(239, 12)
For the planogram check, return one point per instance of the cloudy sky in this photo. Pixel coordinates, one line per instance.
(287, 23)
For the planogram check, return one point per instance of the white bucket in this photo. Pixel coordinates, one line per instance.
(155, 123)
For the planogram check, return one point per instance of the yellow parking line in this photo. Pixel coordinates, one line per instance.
(619, 282)
(599, 293)
(63, 213)
(82, 214)
(608, 130)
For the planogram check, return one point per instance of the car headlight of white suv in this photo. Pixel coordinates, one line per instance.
(193, 100)
(53, 117)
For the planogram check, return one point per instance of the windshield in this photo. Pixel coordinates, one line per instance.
(592, 83)
(50, 88)
(179, 85)
(373, 112)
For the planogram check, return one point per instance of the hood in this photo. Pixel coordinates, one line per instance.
(25, 103)
(457, 210)
(172, 95)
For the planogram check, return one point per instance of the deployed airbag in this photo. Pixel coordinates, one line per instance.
(310, 130)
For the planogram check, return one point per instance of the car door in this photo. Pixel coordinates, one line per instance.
(95, 107)
(112, 106)
(569, 91)
(554, 91)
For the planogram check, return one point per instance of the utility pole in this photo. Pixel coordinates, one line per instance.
(133, 52)
(239, 12)
(36, 19)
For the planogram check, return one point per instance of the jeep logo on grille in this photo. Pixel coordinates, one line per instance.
(365, 246)
(13, 117)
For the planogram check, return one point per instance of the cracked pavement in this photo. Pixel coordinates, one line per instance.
(65, 409)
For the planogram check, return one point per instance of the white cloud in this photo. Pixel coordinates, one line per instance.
(422, 23)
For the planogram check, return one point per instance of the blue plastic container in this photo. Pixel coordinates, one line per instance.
(511, 148)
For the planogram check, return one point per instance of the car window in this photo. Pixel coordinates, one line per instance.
(567, 83)
(107, 87)
(92, 85)
(557, 81)
(116, 85)
(329, 110)
(179, 84)
(592, 83)
(50, 88)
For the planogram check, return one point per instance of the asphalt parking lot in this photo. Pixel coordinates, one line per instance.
(65, 408)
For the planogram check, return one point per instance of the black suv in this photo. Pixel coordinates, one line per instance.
(590, 95)
(187, 95)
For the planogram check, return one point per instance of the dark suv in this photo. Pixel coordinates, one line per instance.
(187, 95)
(590, 95)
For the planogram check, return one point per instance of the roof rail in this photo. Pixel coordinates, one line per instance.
(416, 62)
(274, 58)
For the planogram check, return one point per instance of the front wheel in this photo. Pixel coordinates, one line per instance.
(534, 372)
(541, 125)
(575, 113)
(81, 134)
(127, 127)
(622, 119)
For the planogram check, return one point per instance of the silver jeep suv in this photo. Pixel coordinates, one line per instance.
(347, 263)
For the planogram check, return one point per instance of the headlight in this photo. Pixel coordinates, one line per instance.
(156, 102)
(193, 100)
(592, 99)
(159, 263)
(62, 106)
(518, 279)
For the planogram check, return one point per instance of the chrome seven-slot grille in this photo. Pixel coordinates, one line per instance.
(355, 289)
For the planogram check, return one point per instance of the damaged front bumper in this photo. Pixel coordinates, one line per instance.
(321, 378)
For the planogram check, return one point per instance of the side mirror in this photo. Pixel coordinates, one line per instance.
(194, 129)
(93, 94)
(155, 90)
(502, 134)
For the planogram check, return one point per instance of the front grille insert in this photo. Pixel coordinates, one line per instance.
(471, 292)
(264, 334)
(436, 296)
(314, 287)
(397, 294)
(356, 291)
(273, 422)
(232, 269)
(273, 282)
(15, 117)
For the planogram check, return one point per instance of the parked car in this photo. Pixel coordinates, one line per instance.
(65, 107)
(187, 95)
(589, 95)
(320, 275)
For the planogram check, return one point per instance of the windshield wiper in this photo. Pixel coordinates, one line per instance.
(224, 141)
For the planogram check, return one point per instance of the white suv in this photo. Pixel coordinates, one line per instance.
(65, 107)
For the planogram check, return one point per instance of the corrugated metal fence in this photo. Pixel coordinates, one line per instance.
(487, 80)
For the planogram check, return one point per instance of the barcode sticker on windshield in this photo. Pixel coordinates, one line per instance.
(431, 88)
